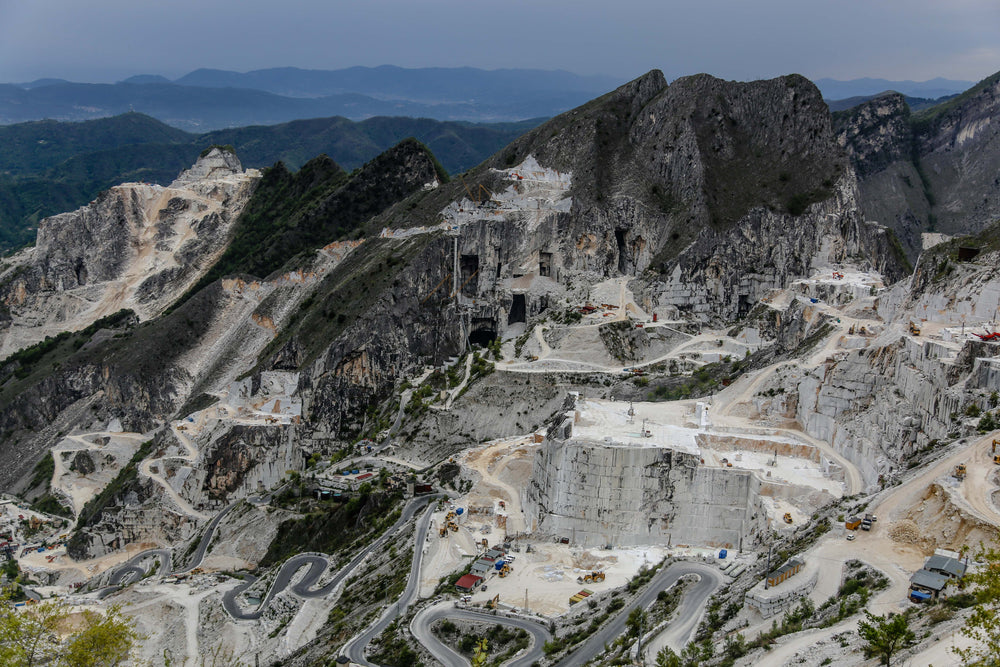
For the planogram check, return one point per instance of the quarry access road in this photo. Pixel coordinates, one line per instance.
(121, 574)
(356, 648)
(421, 624)
(876, 549)
(742, 392)
(146, 468)
(318, 564)
(691, 607)
(678, 633)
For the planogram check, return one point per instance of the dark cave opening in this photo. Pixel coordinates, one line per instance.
(518, 310)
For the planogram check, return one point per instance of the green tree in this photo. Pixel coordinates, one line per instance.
(636, 620)
(33, 636)
(105, 640)
(983, 624)
(885, 635)
(667, 658)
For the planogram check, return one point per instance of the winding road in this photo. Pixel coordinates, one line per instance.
(132, 570)
(693, 602)
(355, 649)
(318, 564)
(421, 629)
(678, 633)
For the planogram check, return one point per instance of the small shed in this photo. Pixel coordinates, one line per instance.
(468, 582)
(952, 568)
(853, 523)
(785, 571)
(928, 582)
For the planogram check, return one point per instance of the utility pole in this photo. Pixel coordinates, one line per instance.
(768, 570)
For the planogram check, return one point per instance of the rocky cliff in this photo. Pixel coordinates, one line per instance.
(136, 246)
(934, 170)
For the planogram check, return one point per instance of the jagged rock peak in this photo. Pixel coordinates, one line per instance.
(215, 164)
(875, 133)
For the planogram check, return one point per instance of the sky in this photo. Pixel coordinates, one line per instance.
(108, 40)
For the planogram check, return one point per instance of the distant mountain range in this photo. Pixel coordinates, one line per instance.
(206, 99)
(833, 89)
(210, 99)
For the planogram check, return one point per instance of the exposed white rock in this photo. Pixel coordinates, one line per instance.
(136, 246)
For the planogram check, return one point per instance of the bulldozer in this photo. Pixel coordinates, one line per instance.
(452, 526)
(960, 471)
(914, 329)
(591, 577)
(788, 517)
(505, 570)
(996, 459)
(444, 531)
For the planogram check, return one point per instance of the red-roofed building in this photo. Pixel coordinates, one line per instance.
(468, 582)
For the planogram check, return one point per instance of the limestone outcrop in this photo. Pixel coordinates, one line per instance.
(137, 246)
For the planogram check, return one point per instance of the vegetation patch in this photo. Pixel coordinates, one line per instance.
(335, 527)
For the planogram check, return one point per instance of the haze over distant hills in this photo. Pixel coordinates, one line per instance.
(833, 89)
(209, 99)
(205, 99)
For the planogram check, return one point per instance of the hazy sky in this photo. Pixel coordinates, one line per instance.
(106, 40)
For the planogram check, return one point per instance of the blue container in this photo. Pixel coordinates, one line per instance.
(498, 565)
(723, 553)
(459, 511)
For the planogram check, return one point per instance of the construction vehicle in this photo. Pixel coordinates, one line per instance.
(444, 531)
(505, 570)
(914, 329)
(996, 459)
(485, 543)
(960, 471)
(494, 603)
(452, 526)
(788, 517)
(591, 577)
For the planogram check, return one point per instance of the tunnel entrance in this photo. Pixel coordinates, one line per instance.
(469, 271)
(622, 254)
(545, 264)
(517, 310)
(484, 332)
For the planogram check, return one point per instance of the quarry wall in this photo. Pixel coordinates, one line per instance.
(603, 492)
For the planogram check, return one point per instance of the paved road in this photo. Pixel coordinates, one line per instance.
(711, 578)
(132, 569)
(355, 649)
(421, 629)
(318, 564)
(679, 633)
